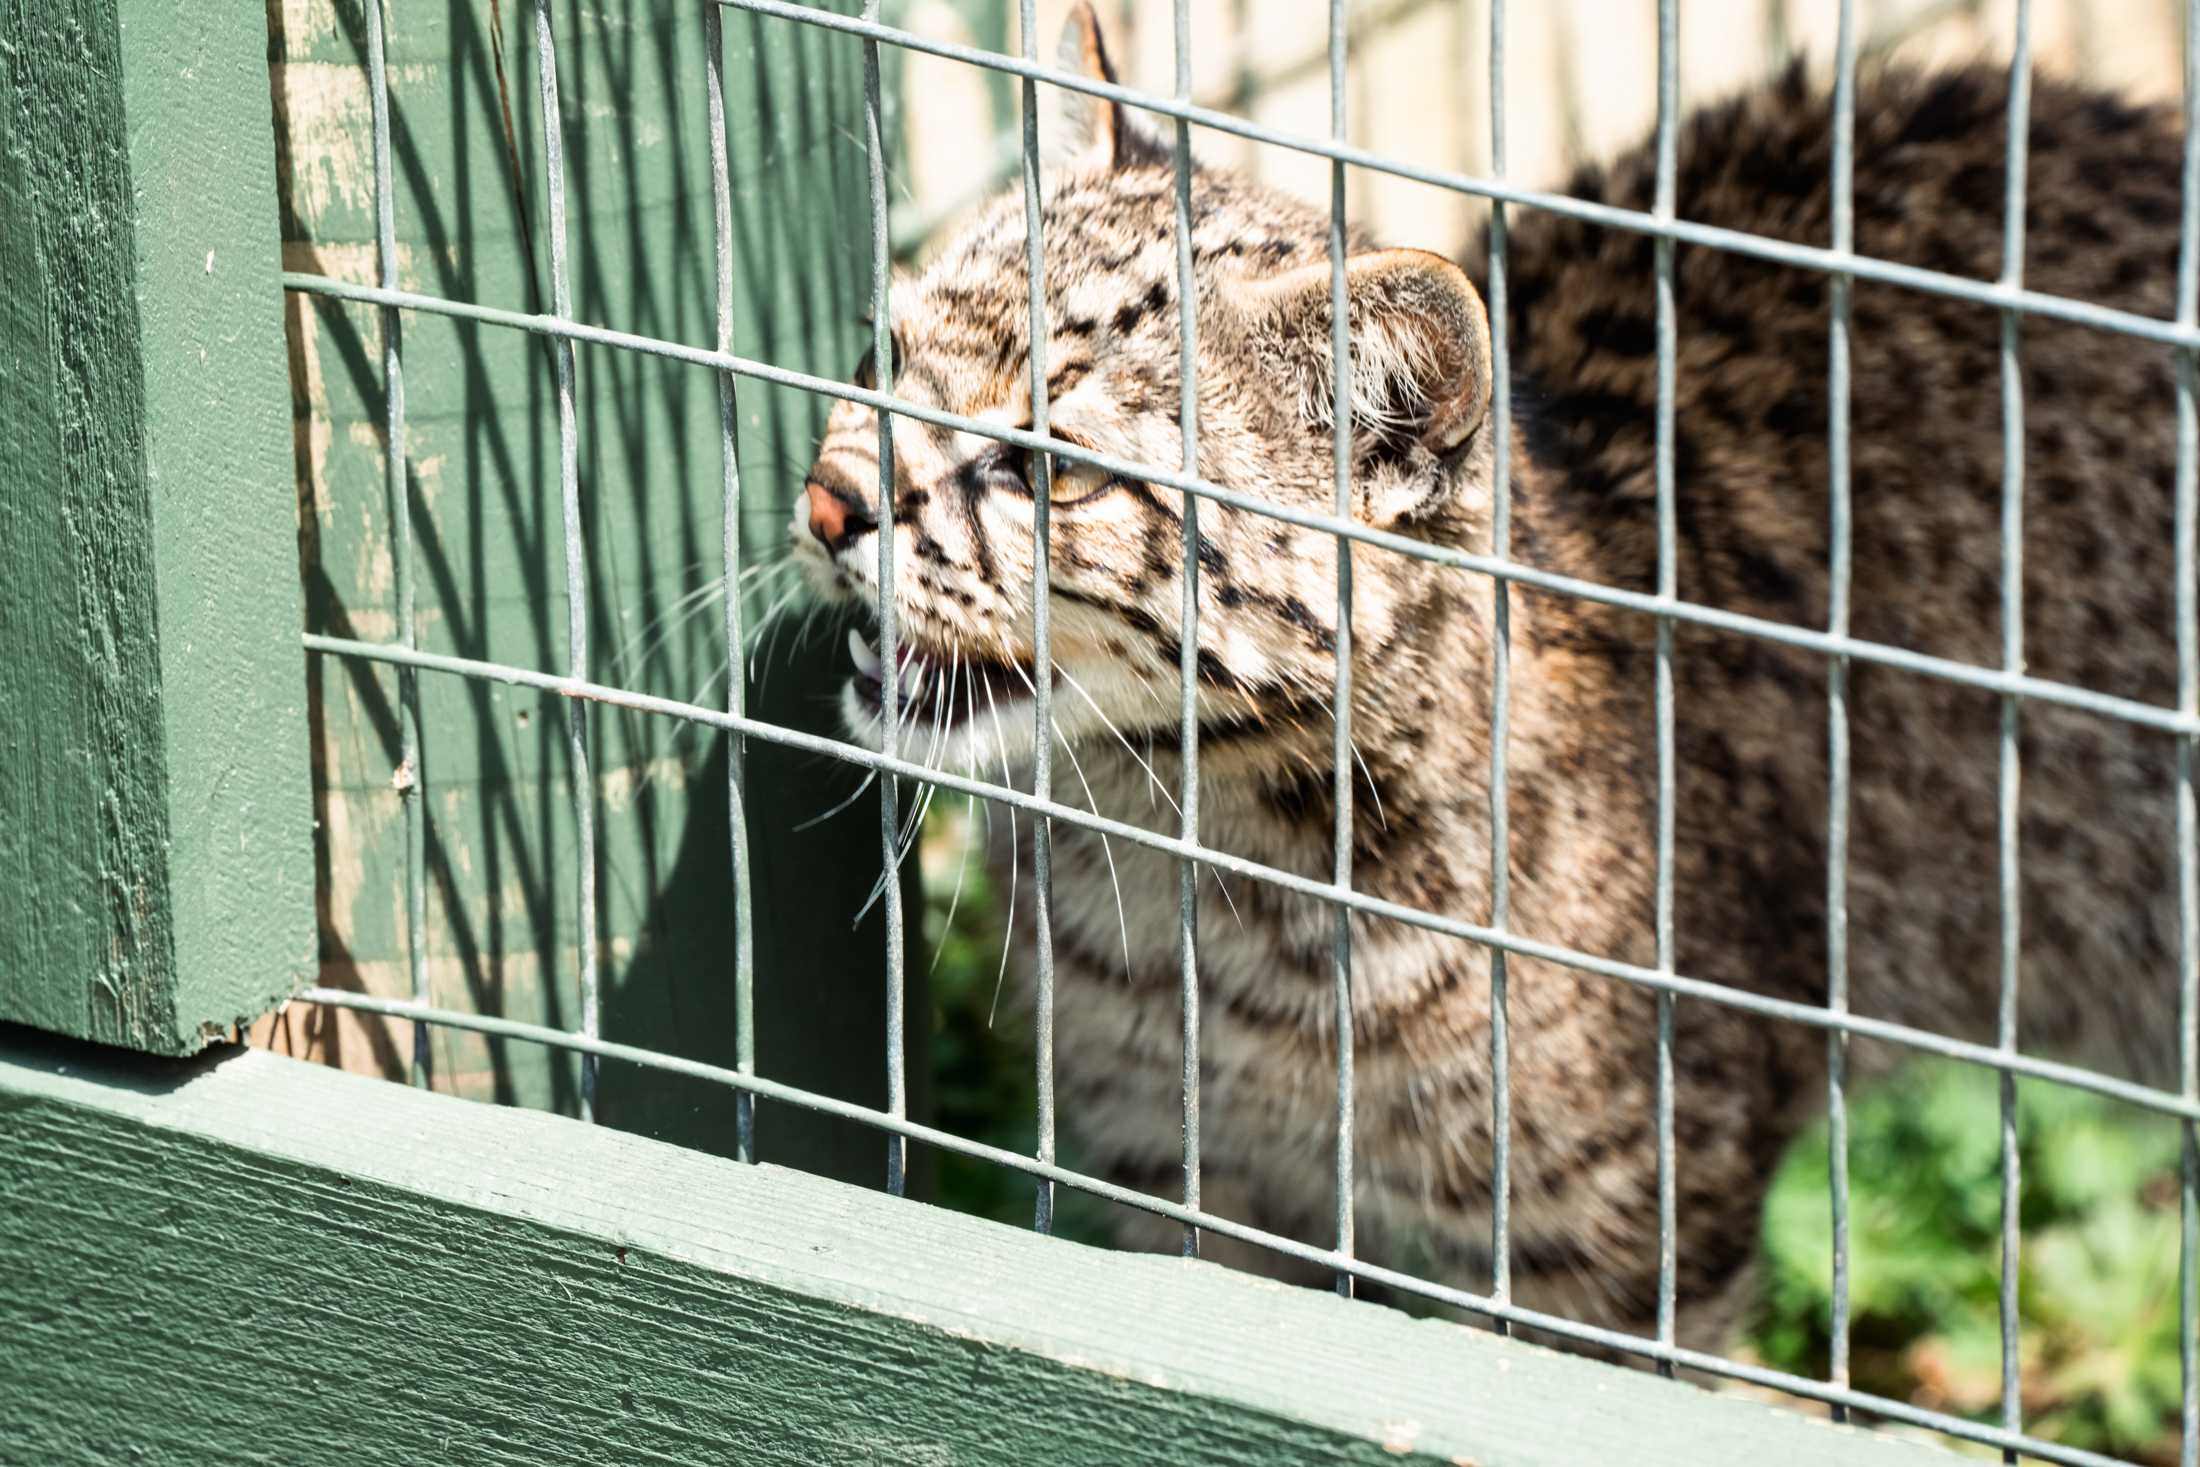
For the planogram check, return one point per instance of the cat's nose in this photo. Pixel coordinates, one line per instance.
(828, 516)
(833, 520)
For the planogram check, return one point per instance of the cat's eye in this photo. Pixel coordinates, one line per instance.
(866, 373)
(1069, 482)
(1074, 483)
(1005, 466)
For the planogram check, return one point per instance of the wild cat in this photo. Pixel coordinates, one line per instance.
(1750, 857)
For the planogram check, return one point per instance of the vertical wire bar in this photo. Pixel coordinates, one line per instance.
(1187, 671)
(1837, 693)
(401, 549)
(1042, 672)
(744, 936)
(2012, 658)
(2188, 810)
(1340, 354)
(576, 562)
(1668, 583)
(1500, 696)
(889, 649)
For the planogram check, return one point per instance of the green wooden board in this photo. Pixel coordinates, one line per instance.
(243, 1258)
(502, 931)
(154, 815)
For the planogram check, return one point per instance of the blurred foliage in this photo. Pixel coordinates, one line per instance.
(2098, 1203)
(984, 1085)
(2097, 1262)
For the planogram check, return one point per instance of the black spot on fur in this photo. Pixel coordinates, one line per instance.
(1951, 106)
(1128, 317)
(1622, 332)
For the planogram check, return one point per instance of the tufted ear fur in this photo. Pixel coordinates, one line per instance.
(1420, 352)
(1077, 126)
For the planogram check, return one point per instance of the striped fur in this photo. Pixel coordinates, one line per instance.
(2098, 839)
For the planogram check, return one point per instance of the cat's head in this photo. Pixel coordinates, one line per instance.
(964, 504)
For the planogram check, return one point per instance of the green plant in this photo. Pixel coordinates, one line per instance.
(2097, 1280)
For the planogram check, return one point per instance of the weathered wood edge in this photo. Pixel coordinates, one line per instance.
(84, 935)
(218, 468)
(438, 1260)
(151, 688)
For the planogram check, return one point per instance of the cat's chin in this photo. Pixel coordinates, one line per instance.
(970, 744)
(940, 699)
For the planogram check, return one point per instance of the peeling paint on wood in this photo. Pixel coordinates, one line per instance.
(153, 807)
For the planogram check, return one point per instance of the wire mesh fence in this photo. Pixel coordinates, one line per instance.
(1835, 260)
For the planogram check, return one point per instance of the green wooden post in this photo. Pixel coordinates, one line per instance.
(502, 930)
(156, 880)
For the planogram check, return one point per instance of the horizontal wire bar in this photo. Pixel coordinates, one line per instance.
(1803, 257)
(1922, 1040)
(1326, 1258)
(1991, 679)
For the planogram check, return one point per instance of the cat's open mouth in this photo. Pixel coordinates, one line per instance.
(940, 691)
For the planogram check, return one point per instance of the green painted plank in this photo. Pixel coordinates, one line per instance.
(418, 1279)
(154, 817)
(502, 917)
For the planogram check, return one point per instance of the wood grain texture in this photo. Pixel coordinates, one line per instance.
(419, 1279)
(153, 806)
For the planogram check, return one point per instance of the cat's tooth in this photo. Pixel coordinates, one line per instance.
(866, 659)
(912, 677)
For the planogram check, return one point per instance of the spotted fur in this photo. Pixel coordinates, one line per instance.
(1751, 458)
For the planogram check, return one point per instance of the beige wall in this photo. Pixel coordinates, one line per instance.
(1581, 78)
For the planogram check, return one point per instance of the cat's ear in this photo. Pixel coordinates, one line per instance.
(1420, 352)
(1077, 127)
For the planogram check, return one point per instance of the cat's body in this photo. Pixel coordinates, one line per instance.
(1752, 789)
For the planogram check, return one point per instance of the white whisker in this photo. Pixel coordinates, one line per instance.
(962, 863)
(905, 839)
(938, 681)
(816, 820)
(667, 621)
(1000, 743)
(768, 627)
(1110, 725)
(1107, 852)
(985, 807)
(1367, 775)
(1229, 900)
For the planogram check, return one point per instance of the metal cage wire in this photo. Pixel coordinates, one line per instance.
(1836, 260)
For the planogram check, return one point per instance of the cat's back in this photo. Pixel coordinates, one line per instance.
(2101, 216)
(1751, 456)
(1752, 335)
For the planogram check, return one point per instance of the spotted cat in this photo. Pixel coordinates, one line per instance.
(2097, 828)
